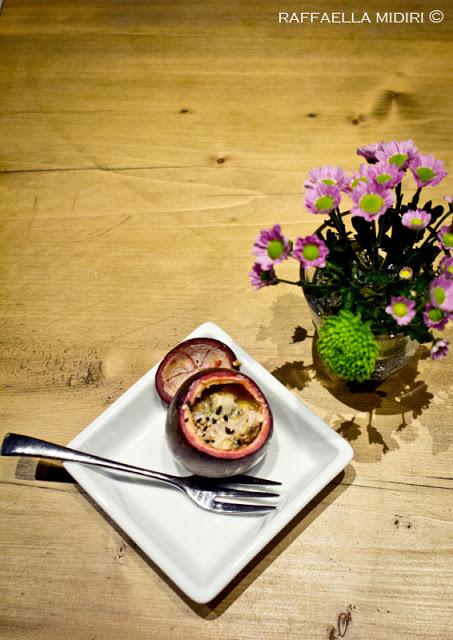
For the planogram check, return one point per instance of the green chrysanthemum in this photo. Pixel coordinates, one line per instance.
(347, 346)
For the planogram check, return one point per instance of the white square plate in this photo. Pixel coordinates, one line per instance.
(202, 551)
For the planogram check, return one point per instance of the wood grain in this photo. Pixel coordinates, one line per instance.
(143, 147)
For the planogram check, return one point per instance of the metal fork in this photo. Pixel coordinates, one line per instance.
(208, 493)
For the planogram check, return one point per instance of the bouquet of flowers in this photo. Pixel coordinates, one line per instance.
(382, 267)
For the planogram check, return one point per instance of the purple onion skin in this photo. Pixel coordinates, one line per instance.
(199, 463)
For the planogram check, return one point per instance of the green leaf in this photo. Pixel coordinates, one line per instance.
(385, 221)
(419, 332)
(364, 234)
(436, 213)
(331, 237)
(425, 255)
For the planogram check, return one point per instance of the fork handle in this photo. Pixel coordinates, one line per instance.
(15, 444)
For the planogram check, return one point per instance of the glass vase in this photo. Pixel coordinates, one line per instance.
(395, 350)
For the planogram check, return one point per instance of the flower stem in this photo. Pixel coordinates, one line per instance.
(298, 284)
(341, 227)
(334, 219)
(399, 197)
(416, 197)
(374, 245)
(439, 222)
(337, 221)
(433, 230)
(381, 233)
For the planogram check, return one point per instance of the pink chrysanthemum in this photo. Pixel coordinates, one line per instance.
(330, 176)
(439, 349)
(427, 170)
(385, 174)
(371, 201)
(359, 177)
(401, 309)
(416, 219)
(261, 278)
(406, 273)
(311, 251)
(435, 318)
(446, 265)
(445, 236)
(369, 151)
(322, 198)
(271, 247)
(448, 199)
(441, 293)
(397, 153)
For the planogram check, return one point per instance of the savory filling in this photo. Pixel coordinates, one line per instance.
(226, 417)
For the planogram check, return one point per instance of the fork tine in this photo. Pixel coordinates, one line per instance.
(224, 492)
(231, 507)
(243, 479)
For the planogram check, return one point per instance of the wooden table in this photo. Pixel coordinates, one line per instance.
(144, 145)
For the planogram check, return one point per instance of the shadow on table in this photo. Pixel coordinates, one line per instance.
(372, 431)
(215, 608)
(280, 543)
(402, 395)
(212, 610)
